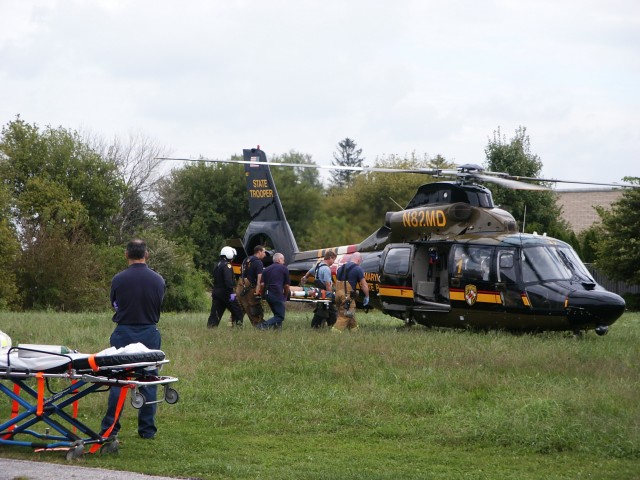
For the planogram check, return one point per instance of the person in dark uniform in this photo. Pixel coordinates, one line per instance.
(323, 312)
(275, 284)
(136, 296)
(223, 296)
(248, 289)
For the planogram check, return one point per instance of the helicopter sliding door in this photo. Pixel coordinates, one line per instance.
(473, 293)
(395, 291)
(430, 275)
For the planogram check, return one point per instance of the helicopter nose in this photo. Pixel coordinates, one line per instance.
(597, 306)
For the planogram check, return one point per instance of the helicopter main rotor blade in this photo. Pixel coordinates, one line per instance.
(498, 178)
(552, 180)
(505, 182)
(423, 171)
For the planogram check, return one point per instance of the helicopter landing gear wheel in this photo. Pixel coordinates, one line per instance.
(76, 451)
(579, 334)
(110, 447)
(137, 400)
(171, 396)
(602, 330)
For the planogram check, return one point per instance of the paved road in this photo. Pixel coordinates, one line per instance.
(24, 470)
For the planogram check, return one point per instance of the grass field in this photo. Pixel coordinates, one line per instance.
(384, 403)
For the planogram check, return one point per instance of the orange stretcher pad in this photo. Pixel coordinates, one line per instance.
(46, 420)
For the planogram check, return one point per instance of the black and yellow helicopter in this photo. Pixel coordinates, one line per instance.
(450, 258)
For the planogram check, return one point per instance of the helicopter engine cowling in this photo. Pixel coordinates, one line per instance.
(597, 307)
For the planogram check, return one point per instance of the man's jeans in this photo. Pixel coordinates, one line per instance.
(149, 336)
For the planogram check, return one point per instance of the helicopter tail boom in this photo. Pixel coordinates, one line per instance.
(268, 226)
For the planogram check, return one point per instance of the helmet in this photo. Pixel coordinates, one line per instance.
(228, 253)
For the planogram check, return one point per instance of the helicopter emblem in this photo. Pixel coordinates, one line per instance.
(470, 294)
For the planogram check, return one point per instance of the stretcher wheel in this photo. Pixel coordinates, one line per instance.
(171, 395)
(110, 447)
(138, 400)
(75, 452)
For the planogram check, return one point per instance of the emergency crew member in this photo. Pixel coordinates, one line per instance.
(222, 295)
(248, 289)
(136, 296)
(347, 277)
(275, 284)
(324, 312)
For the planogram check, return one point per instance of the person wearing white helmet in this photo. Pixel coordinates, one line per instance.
(222, 295)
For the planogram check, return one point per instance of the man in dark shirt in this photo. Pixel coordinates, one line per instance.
(275, 284)
(248, 289)
(222, 296)
(136, 296)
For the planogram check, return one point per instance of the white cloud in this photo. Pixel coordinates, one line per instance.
(212, 77)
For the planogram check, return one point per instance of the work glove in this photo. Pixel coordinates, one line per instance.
(366, 301)
(232, 297)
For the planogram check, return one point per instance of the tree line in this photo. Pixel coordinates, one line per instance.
(69, 202)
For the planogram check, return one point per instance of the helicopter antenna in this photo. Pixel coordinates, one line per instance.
(524, 220)
(399, 206)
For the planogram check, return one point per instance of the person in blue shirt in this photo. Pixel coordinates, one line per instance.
(348, 277)
(136, 297)
(275, 284)
(323, 312)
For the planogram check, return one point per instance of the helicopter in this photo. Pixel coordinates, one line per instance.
(450, 258)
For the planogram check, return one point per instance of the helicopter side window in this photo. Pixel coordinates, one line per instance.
(472, 262)
(397, 261)
(506, 266)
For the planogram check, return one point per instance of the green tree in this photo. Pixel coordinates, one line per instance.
(538, 210)
(9, 251)
(301, 194)
(56, 163)
(351, 214)
(185, 284)
(201, 206)
(61, 273)
(348, 155)
(618, 247)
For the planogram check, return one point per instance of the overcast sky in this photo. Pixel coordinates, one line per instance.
(437, 77)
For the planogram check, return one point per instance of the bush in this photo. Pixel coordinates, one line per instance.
(185, 284)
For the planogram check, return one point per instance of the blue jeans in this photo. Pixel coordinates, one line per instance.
(149, 336)
(278, 309)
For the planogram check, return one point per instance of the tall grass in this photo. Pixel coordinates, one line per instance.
(384, 403)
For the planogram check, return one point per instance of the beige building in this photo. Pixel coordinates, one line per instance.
(577, 205)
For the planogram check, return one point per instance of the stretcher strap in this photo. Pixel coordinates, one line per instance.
(92, 363)
(40, 407)
(123, 395)
(75, 404)
(15, 408)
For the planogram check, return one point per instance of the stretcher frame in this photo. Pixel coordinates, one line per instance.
(64, 431)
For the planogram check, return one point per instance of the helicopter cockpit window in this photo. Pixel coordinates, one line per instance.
(573, 263)
(472, 262)
(543, 263)
(397, 261)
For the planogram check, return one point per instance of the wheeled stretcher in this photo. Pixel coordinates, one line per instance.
(47, 420)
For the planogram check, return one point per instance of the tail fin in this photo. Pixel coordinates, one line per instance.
(268, 226)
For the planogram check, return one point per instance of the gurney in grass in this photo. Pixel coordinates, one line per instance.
(31, 368)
